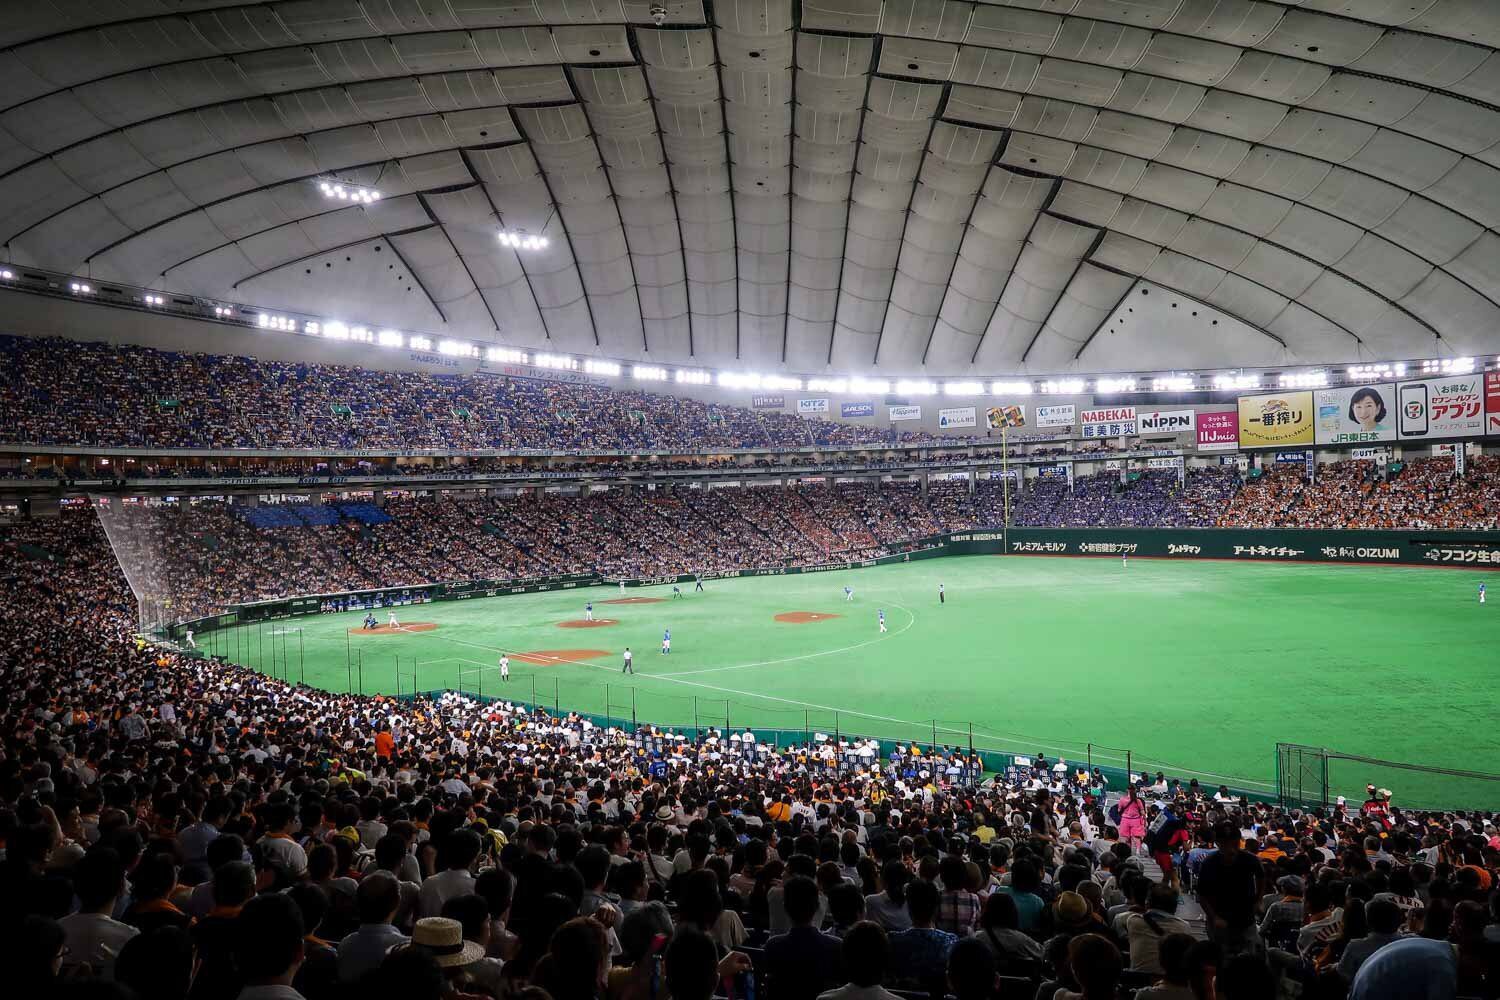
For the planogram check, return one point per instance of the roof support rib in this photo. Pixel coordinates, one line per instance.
(1093, 247)
(342, 246)
(1046, 204)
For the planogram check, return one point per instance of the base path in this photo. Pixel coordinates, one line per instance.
(803, 617)
(635, 600)
(396, 630)
(586, 623)
(552, 657)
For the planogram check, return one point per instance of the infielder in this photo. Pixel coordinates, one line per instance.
(666, 641)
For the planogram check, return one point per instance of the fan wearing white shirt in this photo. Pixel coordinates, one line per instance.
(458, 853)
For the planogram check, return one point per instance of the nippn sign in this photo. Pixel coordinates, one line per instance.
(1164, 421)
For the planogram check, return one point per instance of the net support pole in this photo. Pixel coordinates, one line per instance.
(633, 723)
(556, 700)
(606, 706)
(695, 717)
(301, 661)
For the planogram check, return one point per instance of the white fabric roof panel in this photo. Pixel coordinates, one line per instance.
(836, 184)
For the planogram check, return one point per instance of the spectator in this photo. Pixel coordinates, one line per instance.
(803, 961)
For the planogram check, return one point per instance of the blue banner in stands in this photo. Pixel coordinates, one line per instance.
(856, 409)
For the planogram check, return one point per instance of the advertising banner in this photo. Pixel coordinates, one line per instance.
(1218, 431)
(1492, 403)
(1113, 421)
(856, 409)
(1013, 415)
(1165, 421)
(1368, 454)
(957, 416)
(905, 412)
(1440, 407)
(1275, 420)
(1055, 416)
(1053, 471)
(1163, 463)
(1356, 414)
(767, 402)
(812, 406)
(1288, 457)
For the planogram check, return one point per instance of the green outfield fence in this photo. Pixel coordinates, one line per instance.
(1305, 776)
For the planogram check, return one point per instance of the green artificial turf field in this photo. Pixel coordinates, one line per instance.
(1198, 668)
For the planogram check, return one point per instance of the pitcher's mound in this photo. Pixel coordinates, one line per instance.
(388, 630)
(585, 623)
(635, 600)
(552, 657)
(803, 617)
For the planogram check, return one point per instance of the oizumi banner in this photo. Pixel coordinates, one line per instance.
(1276, 420)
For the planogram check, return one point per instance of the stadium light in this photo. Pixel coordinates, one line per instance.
(152, 299)
(505, 355)
(79, 288)
(389, 338)
(782, 382)
(648, 373)
(916, 387)
(838, 385)
(418, 343)
(1305, 380)
(869, 386)
(1172, 383)
(557, 362)
(522, 240)
(1064, 387)
(270, 321)
(1003, 388)
(1226, 381)
(740, 380)
(1448, 366)
(457, 349)
(595, 366)
(689, 377)
(336, 190)
(963, 388)
(1109, 385)
(6, 274)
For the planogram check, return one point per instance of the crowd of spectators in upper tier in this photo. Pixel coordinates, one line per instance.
(63, 392)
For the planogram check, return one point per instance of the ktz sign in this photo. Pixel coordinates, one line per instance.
(812, 406)
(1165, 421)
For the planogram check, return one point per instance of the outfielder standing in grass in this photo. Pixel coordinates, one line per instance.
(627, 668)
(504, 667)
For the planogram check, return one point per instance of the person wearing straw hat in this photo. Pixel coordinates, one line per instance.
(443, 939)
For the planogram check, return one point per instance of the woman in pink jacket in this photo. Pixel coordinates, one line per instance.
(1132, 819)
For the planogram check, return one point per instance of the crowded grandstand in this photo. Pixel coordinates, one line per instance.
(749, 500)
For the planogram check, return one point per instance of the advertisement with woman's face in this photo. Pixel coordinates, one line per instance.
(1356, 414)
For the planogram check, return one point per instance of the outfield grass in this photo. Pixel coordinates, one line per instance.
(1196, 667)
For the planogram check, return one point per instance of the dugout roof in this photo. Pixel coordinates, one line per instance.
(915, 185)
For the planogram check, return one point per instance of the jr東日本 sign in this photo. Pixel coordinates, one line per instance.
(856, 409)
(1276, 419)
(1013, 415)
(1356, 414)
(1440, 407)
(1165, 421)
(768, 402)
(1055, 416)
(812, 406)
(957, 416)
(1218, 431)
(905, 412)
(1112, 421)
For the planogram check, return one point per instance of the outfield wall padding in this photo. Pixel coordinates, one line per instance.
(1418, 548)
